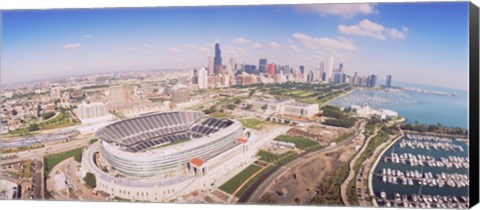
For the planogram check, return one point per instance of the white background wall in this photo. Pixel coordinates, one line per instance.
(37, 4)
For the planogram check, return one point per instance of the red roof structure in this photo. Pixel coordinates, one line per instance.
(197, 162)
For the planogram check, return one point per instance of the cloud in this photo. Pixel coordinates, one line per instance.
(72, 46)
(274, 45)
(319, 42)
(257, 45)
(87, 36)
(190, 46)
(343, 10)
(148, 46)
(173, 49)
(201, 50)
(371, 29)
(241, 41)
(294, 48)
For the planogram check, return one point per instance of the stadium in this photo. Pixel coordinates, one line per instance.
(157, 157)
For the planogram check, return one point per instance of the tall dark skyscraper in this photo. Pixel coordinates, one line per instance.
(217, 60)
(372, 81)
(262, 65)
(302, 70)
(388, 82)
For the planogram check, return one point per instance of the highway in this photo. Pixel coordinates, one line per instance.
(47, 150)
(39, 139)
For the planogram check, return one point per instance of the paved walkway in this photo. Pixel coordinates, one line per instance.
(351, 174)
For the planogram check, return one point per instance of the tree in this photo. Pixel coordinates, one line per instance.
(47, 115)
(231, 106)
(33, 127)
(248, 107)
(78, 157)
(90, 180)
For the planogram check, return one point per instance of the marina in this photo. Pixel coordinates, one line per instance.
(423, 171)
(423, 201)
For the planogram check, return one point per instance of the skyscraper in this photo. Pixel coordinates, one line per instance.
(210, 66)
(202, 79)
(271, 69)
(302, 70)
(329, 67)
(217, 60)
(372, 80)
(231, 62)
(388, 82)
(262, 65)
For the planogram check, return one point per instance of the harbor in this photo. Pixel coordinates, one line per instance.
(423, 171)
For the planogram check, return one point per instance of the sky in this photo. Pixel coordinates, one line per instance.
(423, 43)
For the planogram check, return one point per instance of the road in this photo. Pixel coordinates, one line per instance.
(39, 139)
(255, 191)
(351, 174)
(47, 150)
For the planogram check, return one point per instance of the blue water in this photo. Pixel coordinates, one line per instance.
(424, 108)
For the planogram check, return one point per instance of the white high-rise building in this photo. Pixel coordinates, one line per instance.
(210, 66)
(329, 68)
(91, 110)
(202, 79)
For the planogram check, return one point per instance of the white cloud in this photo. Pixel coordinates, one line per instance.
(343, 10)
(190, 46)
(173, 49)
(274, 45)
(87, 36)
(318, 42)
(72, 46)
(294, 48)
(200, 49)
(257, 45)
(372, 29)
(148, 46)
(241, 41)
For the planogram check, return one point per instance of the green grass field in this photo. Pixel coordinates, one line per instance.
(253, 180)
(300, 142)
(231, 185)
(274, 158)
(52, 160)
(252, 123)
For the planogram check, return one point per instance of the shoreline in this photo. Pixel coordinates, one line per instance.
(372, 169)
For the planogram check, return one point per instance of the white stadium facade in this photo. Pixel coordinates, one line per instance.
(158, 157)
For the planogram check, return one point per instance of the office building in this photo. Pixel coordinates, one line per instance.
(217, 60)
(91, 110)
(210, 66)
(202, 78)
(262, 65)
(388, 82)
(372, 80)
(180, 94)
(329, 68)
(271, 69)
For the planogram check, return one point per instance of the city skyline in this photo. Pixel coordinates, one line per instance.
(106, 40)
